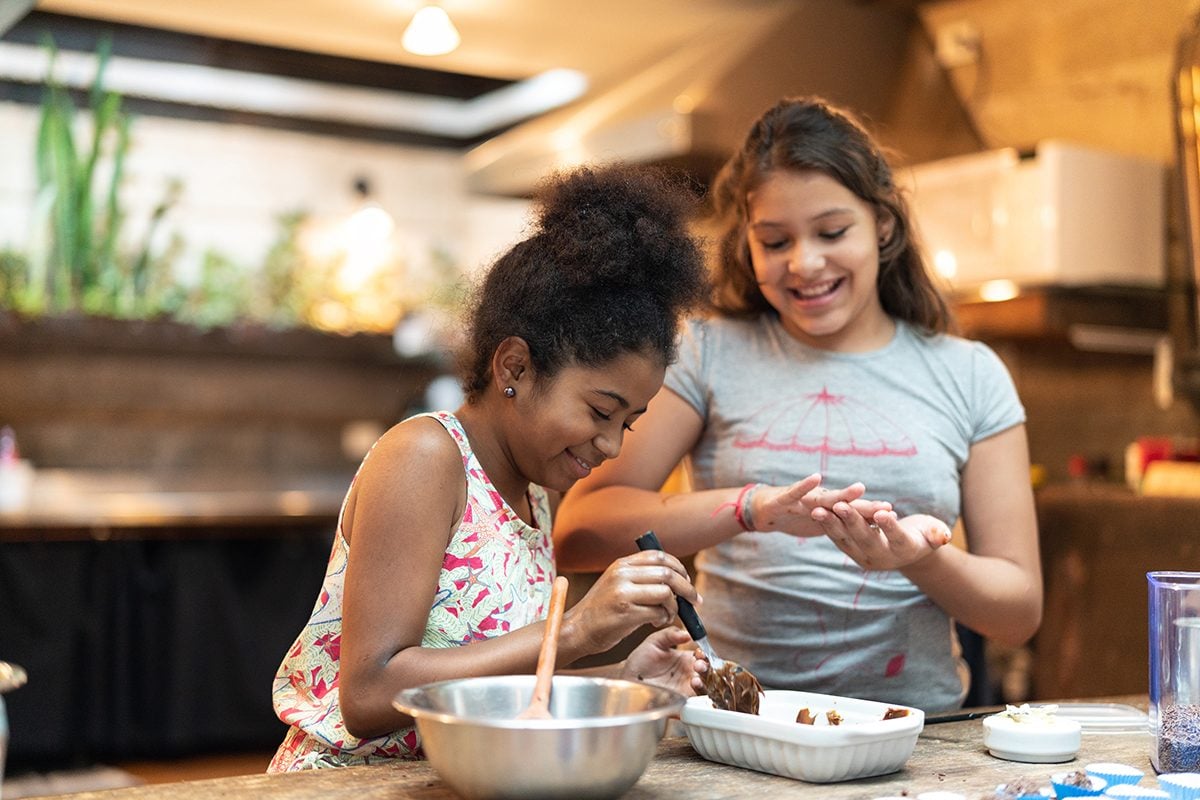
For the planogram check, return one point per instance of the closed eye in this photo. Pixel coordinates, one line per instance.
(608, 418)
(837, 234)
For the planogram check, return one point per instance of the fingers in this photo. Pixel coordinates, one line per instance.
(797, 490)
(700, 661)
(889, 526)
(937, 536)
(935, 532)
(869, 508)
(655, 566)
(880, 540)
(668, 638)
(828, 498)
(642, 588)
(837, 523)
(653, 558)
(851, 525)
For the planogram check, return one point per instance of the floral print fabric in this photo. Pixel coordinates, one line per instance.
(495, 578)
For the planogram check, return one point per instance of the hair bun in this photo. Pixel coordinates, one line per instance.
(598, 216)
(608, 267)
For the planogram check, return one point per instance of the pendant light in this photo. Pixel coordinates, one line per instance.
(431, 33)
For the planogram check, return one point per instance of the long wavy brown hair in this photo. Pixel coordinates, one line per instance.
(808, 133)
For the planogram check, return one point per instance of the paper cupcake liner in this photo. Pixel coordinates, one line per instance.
(1131, 790)
(1181, 785)
(1115, 774)
(1040, 794)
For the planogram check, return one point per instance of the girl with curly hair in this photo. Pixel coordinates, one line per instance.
(442, 562)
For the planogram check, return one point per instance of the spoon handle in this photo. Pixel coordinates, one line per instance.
(687, 612)
(539, 704)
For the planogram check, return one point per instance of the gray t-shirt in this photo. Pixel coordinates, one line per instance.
(797, 612)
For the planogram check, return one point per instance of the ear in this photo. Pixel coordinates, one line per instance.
(885, 226)
(511, 363)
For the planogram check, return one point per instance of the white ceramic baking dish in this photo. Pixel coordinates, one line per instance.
(863, 745)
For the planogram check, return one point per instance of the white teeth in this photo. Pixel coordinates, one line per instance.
(817, 290)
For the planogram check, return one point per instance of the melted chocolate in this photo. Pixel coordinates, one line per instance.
(733, 688)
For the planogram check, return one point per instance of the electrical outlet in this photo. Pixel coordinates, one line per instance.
(958, 44)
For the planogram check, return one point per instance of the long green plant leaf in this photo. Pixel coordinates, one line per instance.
(66, 222)
(105, 106)
(113, 217)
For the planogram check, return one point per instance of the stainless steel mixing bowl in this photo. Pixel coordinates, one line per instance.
(602, 735)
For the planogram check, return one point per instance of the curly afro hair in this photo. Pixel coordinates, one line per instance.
(609, 268)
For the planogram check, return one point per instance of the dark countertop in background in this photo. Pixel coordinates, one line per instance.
(1097, 541)
(67, 504)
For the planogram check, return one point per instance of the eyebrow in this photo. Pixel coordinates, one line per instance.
(767, 223)
(619, 399)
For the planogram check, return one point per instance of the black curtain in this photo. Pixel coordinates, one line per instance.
(151, 648)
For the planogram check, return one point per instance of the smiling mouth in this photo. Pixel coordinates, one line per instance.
(584, 468)
(817, 290)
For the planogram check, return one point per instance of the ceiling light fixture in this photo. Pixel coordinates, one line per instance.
(431, 33)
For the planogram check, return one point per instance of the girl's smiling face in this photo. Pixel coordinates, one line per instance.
(579, 418)
(814, 245)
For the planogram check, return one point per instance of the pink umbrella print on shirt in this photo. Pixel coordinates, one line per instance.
(829, 424)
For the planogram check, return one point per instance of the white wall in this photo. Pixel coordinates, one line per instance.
(237, 179)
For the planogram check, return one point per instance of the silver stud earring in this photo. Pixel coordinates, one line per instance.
(510, 391)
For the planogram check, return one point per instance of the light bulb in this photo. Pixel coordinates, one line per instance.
(431, 33)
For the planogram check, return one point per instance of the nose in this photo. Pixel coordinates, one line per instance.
(805, 258)
(608, 443)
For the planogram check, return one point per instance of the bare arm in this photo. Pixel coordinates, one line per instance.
(406, 500)
(601, 515)
(996, 588)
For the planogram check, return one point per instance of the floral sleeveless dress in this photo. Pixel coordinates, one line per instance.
(495, 578)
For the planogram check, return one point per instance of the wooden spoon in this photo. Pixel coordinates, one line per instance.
(539, 704)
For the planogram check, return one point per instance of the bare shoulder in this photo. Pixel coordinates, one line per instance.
(414, 470)
(417, 451)
(418, 438)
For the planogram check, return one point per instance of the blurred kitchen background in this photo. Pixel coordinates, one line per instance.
(232, 261)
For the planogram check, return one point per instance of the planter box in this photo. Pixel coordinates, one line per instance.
(92, 393)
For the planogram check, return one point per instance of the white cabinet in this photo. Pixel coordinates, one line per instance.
(1067, 215)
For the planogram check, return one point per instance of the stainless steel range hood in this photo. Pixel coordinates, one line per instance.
(692, 108)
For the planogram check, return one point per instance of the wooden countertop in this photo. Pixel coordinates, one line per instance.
(948, 757)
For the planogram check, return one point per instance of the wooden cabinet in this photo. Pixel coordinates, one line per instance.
(1097, 544)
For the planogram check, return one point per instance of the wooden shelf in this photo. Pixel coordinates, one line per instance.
(1050, 312)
